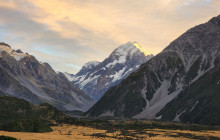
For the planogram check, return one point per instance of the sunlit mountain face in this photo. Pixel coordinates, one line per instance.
(95, 78)
(136, 44)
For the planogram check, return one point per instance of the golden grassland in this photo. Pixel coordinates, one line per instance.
(66, 132)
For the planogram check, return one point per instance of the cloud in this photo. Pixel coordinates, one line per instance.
(69, 33)
(19, 30)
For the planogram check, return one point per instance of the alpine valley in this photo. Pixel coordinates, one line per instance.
(182, 83)
(109, 70)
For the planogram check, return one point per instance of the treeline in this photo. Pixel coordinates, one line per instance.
(22, 116)
(135, 124)
(26, 125)
(7, 138)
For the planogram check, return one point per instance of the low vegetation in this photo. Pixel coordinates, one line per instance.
(20, 115)
(7, 138)
(111, 125)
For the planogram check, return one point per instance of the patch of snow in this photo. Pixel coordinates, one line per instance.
(200, 73)
(89, 80)
(177, 118)
(106, 84)
(17, 56)
(127, 72)
(111, 64)
(5, 48)
(107, 113)
(159, 100)
(91, 64)
(80, 79)
(143, 95)
(124, 49)
(214, 54)
(69, 76)
(194, 106)
(133, 50)
(117, 76)
(159, 117)
(121, 60)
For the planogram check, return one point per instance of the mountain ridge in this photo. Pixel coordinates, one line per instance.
(121, 62)
(160, 80)
(23, 76)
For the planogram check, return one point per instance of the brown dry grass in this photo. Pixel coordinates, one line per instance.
(73, 132)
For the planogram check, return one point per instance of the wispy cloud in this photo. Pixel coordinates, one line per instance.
(69, 33)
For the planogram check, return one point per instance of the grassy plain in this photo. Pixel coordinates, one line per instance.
(76, 132)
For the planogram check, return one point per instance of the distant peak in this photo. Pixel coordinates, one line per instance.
(91, 64)
(137, 45)
(18, 51)
(130, 48)
(4, 44)
(18, 55)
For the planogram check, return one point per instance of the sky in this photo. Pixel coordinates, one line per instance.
(69, 33)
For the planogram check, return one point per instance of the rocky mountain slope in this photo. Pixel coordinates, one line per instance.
(95, 78)
(181, 83)
(23, 76)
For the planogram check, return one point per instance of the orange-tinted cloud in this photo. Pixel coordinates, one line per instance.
(84, 29)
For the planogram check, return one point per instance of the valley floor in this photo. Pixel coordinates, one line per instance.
(66, 132)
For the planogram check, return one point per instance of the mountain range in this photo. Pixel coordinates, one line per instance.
(95, 78)
(23, 76)
(182, 83)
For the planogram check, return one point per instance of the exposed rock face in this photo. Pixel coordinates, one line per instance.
(188, 64)
(23, 76)
(96, 78)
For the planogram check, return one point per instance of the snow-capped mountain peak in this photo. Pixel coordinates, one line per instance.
(96, 78)
(91, 64)
(125, 49)
(18, 55)
(137, 45)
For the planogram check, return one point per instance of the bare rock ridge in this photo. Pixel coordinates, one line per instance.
(23, 76)
(179, 84)
(95, 78)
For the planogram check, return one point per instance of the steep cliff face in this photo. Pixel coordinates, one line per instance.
(95, 78)
(167, 76)
(23, 76)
